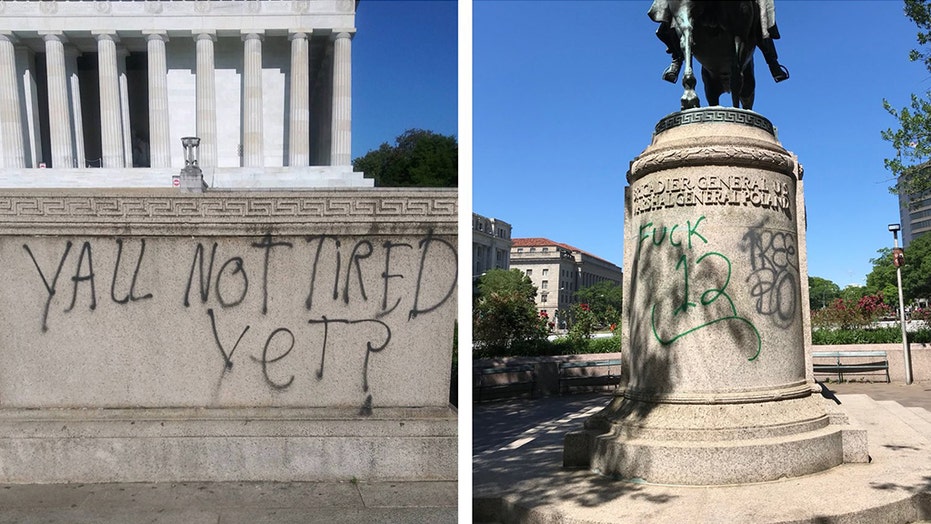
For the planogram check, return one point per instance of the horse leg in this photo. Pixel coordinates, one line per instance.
(668, 36)
(712, 87)
(684, 26)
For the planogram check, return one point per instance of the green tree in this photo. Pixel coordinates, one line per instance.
(912, 139)
(821, 292)
(419, 158)
(882, 277)
(916, 274)
(853, 293)
(605, 299)
(504, 313)
(507, 280)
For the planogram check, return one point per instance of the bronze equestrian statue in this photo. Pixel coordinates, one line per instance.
(723, 36)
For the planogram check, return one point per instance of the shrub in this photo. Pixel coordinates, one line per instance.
(604, 345)
(851, 313)
(887, 335)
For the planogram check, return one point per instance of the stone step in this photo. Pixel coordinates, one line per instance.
(919, 424)
(922, 412)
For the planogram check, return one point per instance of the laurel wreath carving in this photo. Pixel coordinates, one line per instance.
(652, 162)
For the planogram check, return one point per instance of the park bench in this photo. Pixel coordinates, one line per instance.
(573, 374)
(506, 380)
(842, 368)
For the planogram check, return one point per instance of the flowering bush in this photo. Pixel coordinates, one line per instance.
(850, 313)
(583, 323)
(920, 314)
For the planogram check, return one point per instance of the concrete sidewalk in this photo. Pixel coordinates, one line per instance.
(916, 395)
(518, 474)
(230, 503)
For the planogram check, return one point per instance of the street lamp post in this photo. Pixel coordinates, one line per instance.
(906, 355)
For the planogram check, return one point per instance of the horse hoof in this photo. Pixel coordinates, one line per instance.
(779, 72)
(690, 102)
(671, 74)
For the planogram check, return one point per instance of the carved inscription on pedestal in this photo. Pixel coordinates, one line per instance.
(710, 190)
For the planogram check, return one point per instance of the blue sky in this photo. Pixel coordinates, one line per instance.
(566, 93)
(404, 58)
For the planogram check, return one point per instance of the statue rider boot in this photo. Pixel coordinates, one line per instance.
(668, 36)
(778, 71)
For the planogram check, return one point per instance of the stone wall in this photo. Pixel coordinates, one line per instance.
(921, 362)
(313, 327)
(547, 368)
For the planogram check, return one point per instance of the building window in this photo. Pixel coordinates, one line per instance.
(543, 298)
(520, 250)
(546, 272)
(546, 249)
(533, 249)
(529, 272)
(543, 284)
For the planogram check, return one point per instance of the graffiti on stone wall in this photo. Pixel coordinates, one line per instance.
(699, 289)
(338, 276)
(774, 273)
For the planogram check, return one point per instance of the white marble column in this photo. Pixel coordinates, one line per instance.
(206, 99)
(299, 121)
(11, 121)
(111, 129)
(59, 113)
(74, 97)
(159, 137)
(26, 72)
(252, 140)
(341, 129)
(121, 55)
(322, 111)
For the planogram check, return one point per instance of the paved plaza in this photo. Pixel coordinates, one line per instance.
(517, 469)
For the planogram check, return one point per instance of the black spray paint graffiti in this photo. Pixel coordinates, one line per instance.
(774, 274)
(88, 276)
(264, 361)
(330, 249)
(341, 275)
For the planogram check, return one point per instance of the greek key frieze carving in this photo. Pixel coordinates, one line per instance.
(717, 114)
(69, 208)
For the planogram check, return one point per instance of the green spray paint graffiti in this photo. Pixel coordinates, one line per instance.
(707, 297)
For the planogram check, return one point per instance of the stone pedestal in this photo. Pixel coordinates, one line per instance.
(715, 388)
